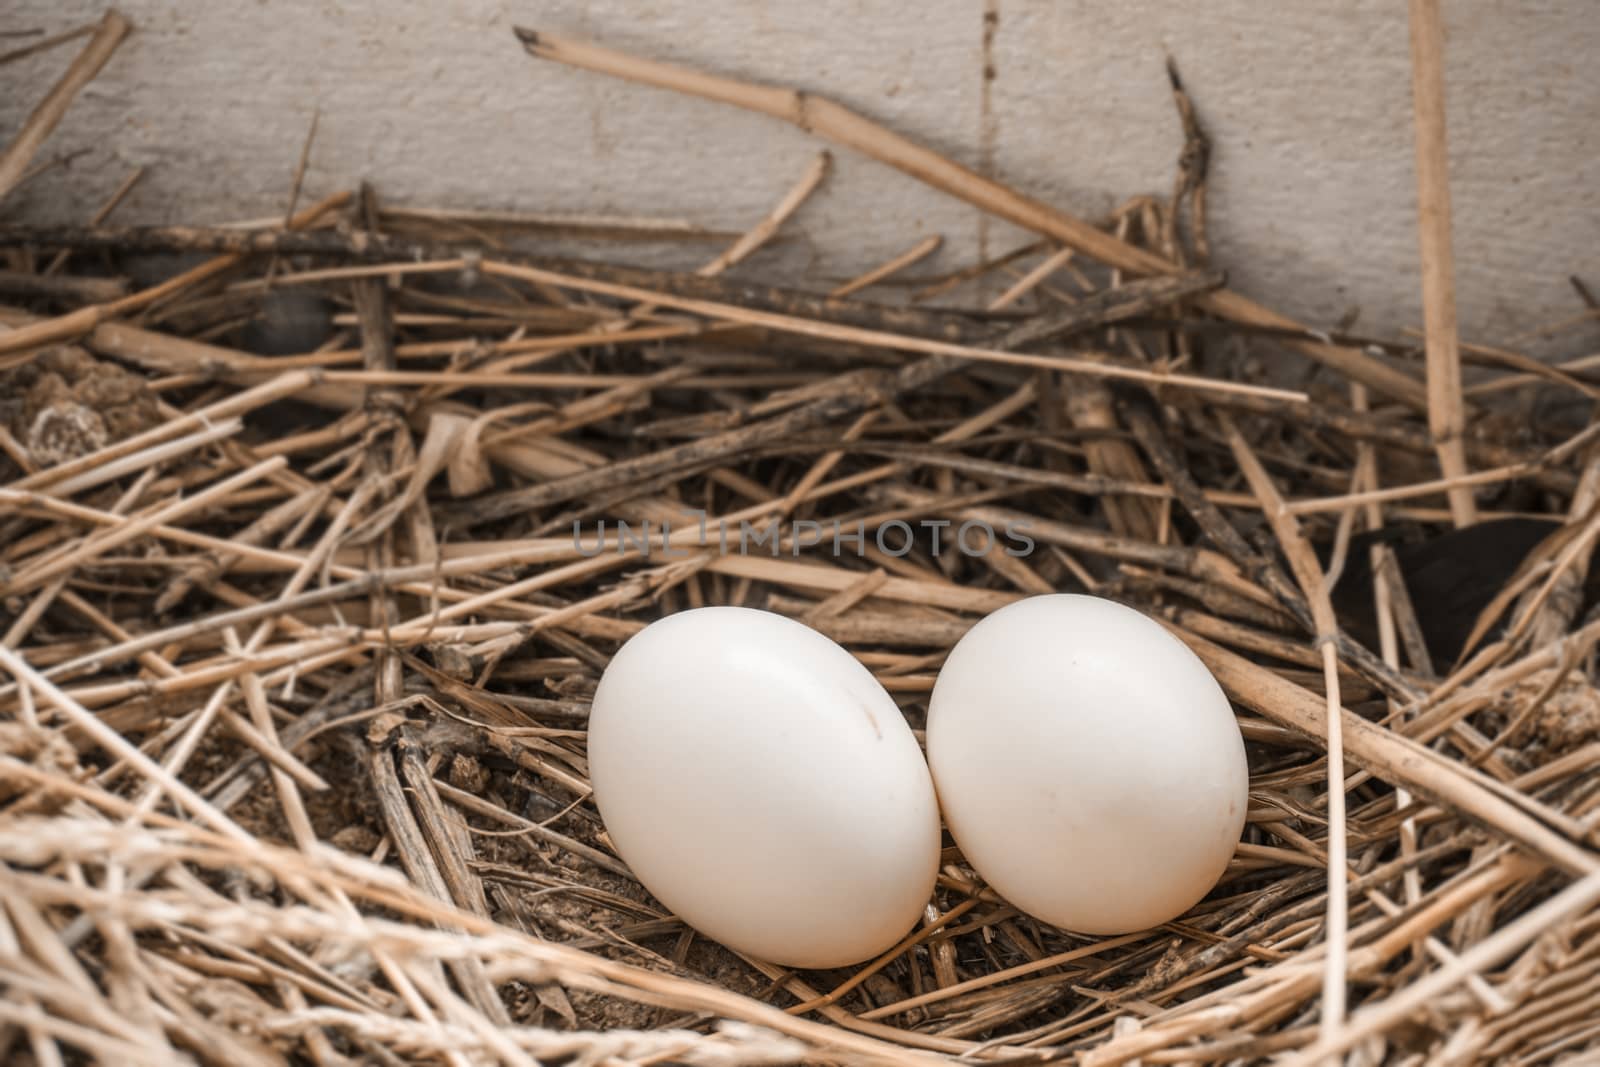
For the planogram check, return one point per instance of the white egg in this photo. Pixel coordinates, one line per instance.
(762, 784)
(1088, 765)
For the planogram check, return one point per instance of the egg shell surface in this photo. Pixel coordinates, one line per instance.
(1088, 765)
(764, 787)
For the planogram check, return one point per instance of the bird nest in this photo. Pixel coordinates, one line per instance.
(312, 553)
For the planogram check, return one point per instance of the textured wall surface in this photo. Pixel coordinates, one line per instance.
(1309, 106)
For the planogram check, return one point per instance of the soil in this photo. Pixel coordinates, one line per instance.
(66, 403)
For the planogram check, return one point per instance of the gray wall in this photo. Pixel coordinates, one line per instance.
(1309, 105)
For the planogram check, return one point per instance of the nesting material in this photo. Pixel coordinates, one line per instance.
(298, 638)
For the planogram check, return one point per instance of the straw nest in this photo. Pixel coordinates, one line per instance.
(297, 648)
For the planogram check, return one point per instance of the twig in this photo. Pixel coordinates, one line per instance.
(48, 114)
(917, 252)
(1446, 418)
(44, 44)
(1317, 591)
(1573, 900)
(819, 115)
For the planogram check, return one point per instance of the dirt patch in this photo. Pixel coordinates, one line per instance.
(66, 403)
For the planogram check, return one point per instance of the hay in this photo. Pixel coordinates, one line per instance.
(299, 645)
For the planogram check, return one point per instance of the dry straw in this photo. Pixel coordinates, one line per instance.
(295, 663)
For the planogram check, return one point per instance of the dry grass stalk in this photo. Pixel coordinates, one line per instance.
(1446, 413)
(111, 31)
(296, 664)
(1316, 587)
(819, 115)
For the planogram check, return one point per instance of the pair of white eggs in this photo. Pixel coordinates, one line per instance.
(762, 784)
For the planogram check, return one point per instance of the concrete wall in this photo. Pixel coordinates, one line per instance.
(1309, 105)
